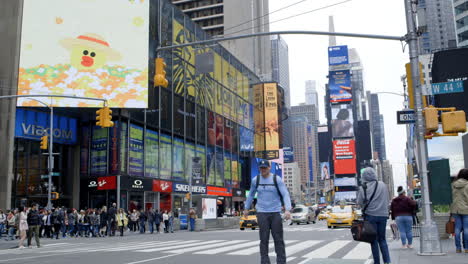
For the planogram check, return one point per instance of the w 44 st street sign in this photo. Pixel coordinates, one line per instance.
(406, 117)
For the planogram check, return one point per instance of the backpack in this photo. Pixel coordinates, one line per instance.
(275, 181)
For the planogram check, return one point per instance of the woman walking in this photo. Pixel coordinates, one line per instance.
(104, 219)
(23, 226)
(166, 222)
(171, 222)
(402, 208)
(459, 209)
(122, 220)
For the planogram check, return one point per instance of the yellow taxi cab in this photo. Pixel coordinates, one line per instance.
(341, 215)
(249, 221)
(323, 215)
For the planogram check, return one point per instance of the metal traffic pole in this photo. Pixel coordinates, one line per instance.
(430, 242)
(51, 157)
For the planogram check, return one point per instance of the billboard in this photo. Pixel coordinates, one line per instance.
(325, 170)
(136, 151)
(93, 49)
(338, 55)
(344, 156)
(339, 84)
(346, 181)
(246, 139)
(288, 154)
(342, 121)
(345, 196)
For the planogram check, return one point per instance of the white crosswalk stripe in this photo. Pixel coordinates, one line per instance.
(252, 250)
(327, 250)
(192, 249)
(147, 245)
(301, 246)
(229, 248)
(361, 251)
(180, 246)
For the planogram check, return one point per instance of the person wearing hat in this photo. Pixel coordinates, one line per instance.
(402, 208)
(272, 196)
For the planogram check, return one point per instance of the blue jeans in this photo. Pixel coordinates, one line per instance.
(192, 224)
(11, 233)
(405, 226)
(380, 225)
(151, 226)
(461, 224)
(71, 230)
(64, 230)
(142, 227)
(2, 228)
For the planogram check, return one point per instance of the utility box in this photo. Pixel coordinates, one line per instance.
(440, 182)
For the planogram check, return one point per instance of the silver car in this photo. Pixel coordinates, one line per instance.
(302, 215)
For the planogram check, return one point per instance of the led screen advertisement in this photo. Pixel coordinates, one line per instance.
(325, 170)
(344, 153)
(342, 121)
(99, 151)
(346, 181)
(136, 151)
(339, 85)
(345, 196)
(85, 48)
(338, 55)
(151, 153)
(208, 208)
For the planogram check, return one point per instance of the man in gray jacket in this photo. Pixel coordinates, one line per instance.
(376, 212)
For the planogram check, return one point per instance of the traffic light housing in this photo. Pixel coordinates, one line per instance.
(431, 117)
(187, 196)
(104, 117)
(160, 73)
(454, 122)
(44, 142)
(54, 195)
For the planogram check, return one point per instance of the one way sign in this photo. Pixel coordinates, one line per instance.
(406, 117)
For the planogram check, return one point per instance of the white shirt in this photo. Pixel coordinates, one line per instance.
(165, 217)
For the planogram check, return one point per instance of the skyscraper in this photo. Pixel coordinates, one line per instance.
(376, 126)
(311, 95)
(436, 21)
(461, 21)
(280, 66)
(232, 17)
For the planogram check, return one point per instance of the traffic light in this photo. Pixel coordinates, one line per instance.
(54, 195)
(160, 75)
(187, 196)
(431, 116)
(104, 117)
(453, 122)
(44, 142)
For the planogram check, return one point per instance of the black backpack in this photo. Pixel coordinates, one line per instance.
(276, 186)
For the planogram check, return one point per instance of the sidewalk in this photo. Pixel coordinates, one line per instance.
(410, 256)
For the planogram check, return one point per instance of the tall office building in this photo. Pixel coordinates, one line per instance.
(280, 66)
(311, 95)
(299, 135)
(292, 180)
(233, 17)
(436, 21)
(376, 126)
(461, 21)
(357, 83)
(387, 177)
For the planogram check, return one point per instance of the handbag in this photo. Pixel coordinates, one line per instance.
(450, 227)
(363, 230)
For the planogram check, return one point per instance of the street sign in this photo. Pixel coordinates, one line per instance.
(406, 117)
(447, 87)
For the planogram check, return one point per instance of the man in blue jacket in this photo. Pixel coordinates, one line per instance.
(272, 196)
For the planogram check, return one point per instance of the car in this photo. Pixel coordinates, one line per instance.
(249, 221)
(341, 215)
(302, 214)
(323, 215)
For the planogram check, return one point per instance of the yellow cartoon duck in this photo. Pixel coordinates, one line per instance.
(89, 51)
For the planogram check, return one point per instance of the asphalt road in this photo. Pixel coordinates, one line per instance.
(305, 244)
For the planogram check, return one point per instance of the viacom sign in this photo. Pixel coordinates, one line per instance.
(34, 125)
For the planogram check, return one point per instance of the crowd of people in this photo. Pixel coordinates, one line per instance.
(64, 222)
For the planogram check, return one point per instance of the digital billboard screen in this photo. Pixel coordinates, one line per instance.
(338, 55)
(344, 155)
(345, 181)
(349, 197)
(339, 85)
(342, 121)
(288, 154)
(325, 170)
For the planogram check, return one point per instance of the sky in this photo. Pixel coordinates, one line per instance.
(383, 60)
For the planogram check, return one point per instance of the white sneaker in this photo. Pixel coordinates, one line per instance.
(21, 247)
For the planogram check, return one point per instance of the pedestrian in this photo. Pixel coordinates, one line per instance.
(402, 209)
(166, 222)
(459, 209)
(192, 217)
(46, 220)
(122, 220)
(134, 216)
(3, 223)
(104, 220)
(111, 220)
(64, 228)
(41, 228)
(94, 222)
(272, 195)
(57, 221)
(23, 226)
(72, 217)
(34, 224)
(171, 222)
(83, 224)
(142, 222)
(150, 219)
(157, 220)
(12, 224)
(376, 212)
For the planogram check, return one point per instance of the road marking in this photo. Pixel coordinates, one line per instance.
(189, 244)
(290, 259)
(369, 261)
(327, 250)
(224, 249)
(144, 245)
(360, 251)
(191, 249)
(151, 259)
(301, 246)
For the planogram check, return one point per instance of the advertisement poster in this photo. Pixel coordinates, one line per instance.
(346, 181)
(342, 121)
(227, 170)
(166, 154)
(210, 157)
(259, 118)
(219, 167)
(136, 151)
(208, 208)
(123, 146)
(151, 154)
(114, 148)
(311, 167)
(338, 55)
(235, 172)
(211, 129)
(99, 151)
(202, 155)
(189, 154)
(325, 170)
(178, 160)
(85, 48)
(228, 127)
(271, 119)
(288, 154)
(339, 84)
(349, 197)
(344, 154)
(219, 122)
(246, 139)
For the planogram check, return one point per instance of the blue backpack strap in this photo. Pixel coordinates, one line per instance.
(278, 190)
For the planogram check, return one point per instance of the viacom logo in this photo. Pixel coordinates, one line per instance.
(137, 184)
(39, 131)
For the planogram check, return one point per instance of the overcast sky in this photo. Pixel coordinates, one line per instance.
(383, 61)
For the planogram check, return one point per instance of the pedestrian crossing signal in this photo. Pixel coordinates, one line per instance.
(104, 117)
(44, 142)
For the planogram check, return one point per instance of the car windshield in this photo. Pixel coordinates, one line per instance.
(338, 209)
(252, 213)
(298, 210)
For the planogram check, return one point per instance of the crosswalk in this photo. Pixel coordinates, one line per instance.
(309, 228)
(300, 250)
